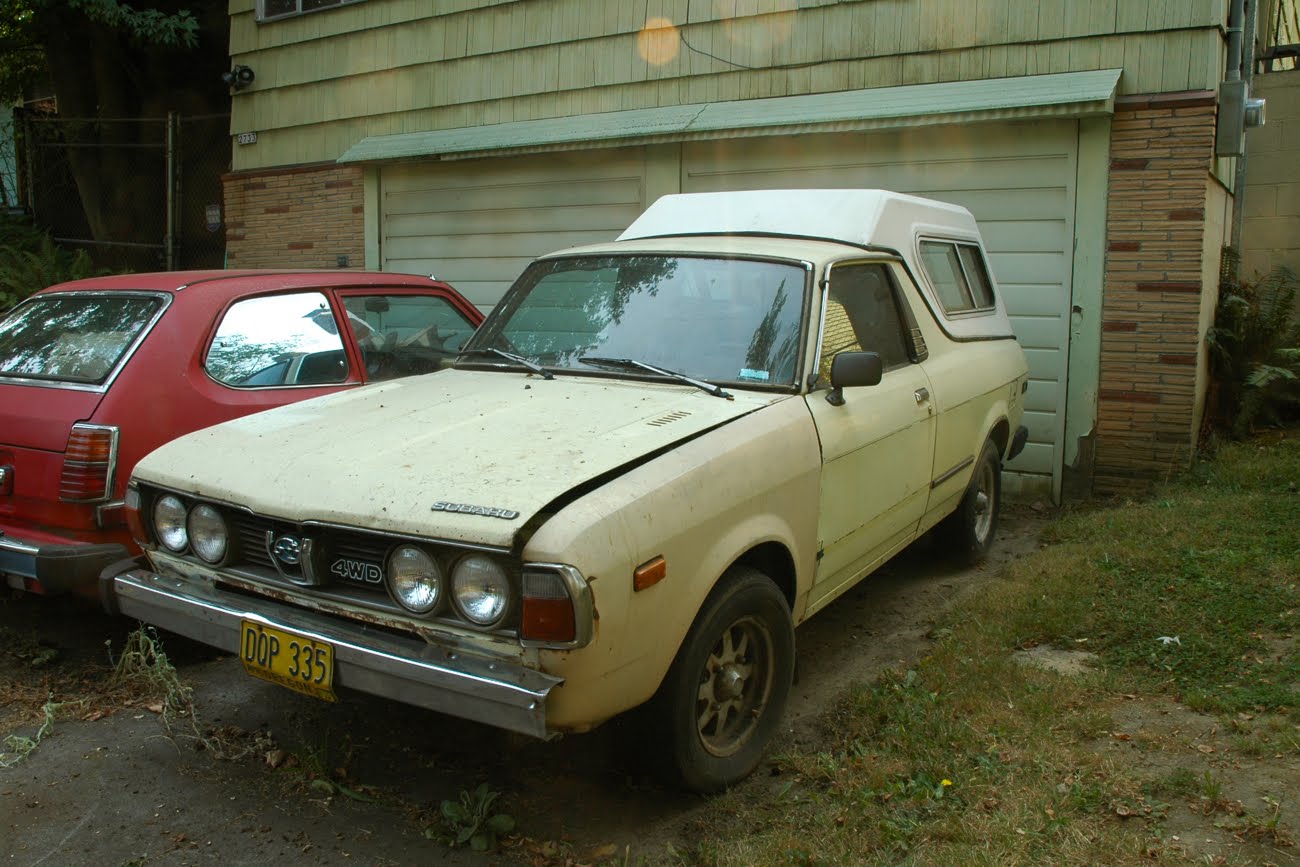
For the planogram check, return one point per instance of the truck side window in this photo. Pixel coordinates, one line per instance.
(958, 274)
(862, 314)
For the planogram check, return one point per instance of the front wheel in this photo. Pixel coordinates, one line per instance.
(968, 532)
(725, 693)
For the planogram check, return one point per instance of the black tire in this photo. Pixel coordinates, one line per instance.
(726, 691)
(968, 533)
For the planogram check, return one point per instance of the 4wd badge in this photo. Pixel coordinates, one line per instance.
(357, 570)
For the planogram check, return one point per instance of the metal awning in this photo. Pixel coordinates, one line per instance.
(1065, 94)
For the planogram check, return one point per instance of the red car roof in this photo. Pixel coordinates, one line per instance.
(236, 282)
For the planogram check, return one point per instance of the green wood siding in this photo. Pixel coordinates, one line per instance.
(327, 79)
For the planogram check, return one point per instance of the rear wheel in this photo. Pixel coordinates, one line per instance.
(968, 532)
(724, 696)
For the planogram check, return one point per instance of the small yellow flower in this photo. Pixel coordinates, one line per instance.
(946, 783)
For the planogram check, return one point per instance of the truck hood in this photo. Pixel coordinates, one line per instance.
(464, 455)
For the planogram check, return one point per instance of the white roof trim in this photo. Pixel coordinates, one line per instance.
(1065, 94)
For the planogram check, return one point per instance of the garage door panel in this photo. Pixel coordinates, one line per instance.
(1038, 332)
(487, 246)
(1028, 268)
(1040, 397)
(939, 180)
(1034, 299)
(597, 218)
(1026, 236)
(477, 223)
(1045, 364)
(552, 169)
(588, 191)
(994, 206)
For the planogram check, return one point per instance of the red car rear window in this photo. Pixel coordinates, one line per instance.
(73, 338)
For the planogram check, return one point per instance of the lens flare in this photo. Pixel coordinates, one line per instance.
(657, 43)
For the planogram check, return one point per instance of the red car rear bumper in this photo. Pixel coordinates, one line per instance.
(40, 564)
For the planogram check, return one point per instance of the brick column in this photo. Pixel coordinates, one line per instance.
(305, 217)
(1162, 151)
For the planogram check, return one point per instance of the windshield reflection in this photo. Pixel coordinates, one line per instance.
(718, 319)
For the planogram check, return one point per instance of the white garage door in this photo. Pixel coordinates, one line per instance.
(477, 223)
(1019, 182)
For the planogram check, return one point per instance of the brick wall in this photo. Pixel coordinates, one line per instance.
(303, 217)
(1162, 150)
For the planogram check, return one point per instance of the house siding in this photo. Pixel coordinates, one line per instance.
(326, 80)
(1152, 346)
(1270, 234)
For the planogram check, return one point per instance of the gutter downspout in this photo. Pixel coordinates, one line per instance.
(1246, 49)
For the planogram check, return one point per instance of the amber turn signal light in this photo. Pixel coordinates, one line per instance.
(649, 573)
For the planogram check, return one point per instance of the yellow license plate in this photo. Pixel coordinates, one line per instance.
(287, 658)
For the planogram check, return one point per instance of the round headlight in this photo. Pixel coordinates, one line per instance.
(481, 590)
(169, 522)
(208, 534)
(414, 579)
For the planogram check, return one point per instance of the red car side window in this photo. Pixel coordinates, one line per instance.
(278, 340)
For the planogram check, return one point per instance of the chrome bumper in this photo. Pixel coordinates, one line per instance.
(502, 694)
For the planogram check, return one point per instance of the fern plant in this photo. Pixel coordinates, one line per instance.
(1254, 349)
(30, 261)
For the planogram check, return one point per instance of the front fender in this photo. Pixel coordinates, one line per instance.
(700, 506)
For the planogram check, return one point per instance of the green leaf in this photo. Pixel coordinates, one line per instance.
(501, 823)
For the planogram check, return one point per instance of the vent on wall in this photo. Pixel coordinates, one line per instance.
(669, 419)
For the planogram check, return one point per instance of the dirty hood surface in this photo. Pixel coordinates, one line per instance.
(382, 456)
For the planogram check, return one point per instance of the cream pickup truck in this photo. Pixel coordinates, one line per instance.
(654, 459)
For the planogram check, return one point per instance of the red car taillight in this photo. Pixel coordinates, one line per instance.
(88, 463)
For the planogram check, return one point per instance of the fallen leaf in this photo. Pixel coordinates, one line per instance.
(1121, 736)
(606, 851)
(94, 715)
(276, 758)
(154, 707)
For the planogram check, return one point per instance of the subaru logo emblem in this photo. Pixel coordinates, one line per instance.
(287, 549)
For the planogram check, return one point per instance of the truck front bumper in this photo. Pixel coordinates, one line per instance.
(451, 681)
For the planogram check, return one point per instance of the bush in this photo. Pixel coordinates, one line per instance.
(1254, 350)
(30, 261)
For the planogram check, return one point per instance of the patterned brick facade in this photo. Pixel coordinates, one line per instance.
(1162, 152)
(305, 217)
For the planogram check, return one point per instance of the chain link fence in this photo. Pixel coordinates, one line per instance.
(138, 194)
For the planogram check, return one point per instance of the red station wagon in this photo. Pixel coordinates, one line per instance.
(95, 374)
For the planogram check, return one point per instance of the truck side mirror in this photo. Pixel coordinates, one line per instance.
(853, 369)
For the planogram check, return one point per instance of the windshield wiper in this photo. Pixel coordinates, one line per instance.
(517, 359)
(626, 363)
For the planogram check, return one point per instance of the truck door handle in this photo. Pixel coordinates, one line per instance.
(922, 395)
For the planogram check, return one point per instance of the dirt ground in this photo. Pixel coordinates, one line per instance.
(360, 781)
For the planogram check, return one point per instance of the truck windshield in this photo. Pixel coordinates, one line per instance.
(716, 319)
(73, 338)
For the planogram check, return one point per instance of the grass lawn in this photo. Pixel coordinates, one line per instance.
(1126, 695)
